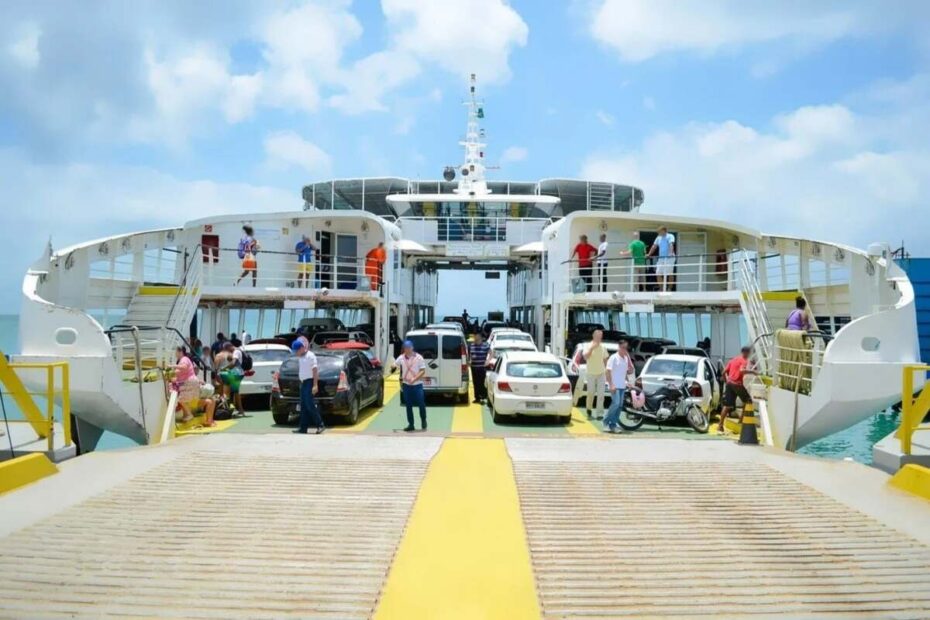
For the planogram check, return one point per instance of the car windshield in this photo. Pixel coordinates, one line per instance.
(329, 365)
(535, 370)
(513, 336)
(269, 355)
(671, 368)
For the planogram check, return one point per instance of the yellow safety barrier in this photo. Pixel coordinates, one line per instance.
(43, 425)
(913, 409)
(914, 479)
(24, 470)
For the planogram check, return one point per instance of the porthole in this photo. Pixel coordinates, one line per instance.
(871, 343)
(66, 336)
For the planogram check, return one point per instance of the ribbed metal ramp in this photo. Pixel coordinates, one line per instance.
(219, 535)
(693, 539)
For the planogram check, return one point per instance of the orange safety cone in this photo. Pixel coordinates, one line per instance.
(748, 425)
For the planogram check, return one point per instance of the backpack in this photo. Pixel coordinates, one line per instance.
(222, 411)
(243, 247)
(246, 361)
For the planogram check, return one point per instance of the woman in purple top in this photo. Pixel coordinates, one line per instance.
(799, 319)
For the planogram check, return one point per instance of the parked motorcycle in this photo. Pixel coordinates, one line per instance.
(666, 403)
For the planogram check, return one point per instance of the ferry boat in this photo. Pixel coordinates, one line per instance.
(115, 308)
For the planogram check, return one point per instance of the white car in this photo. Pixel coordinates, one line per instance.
(446, 325)
(506, 346)
(509, 334)
(529, 383)
(697, 371)
(266, 360)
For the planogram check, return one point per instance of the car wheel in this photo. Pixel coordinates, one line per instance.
(354, 407)
(565, 419)
(281, 419)
(379, 399)
(462, 398)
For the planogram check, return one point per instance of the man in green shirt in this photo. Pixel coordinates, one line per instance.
(637, 250)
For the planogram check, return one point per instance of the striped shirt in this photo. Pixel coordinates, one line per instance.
(478, 353)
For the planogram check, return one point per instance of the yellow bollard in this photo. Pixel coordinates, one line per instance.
(748, 425)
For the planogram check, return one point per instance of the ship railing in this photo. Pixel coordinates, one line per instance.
(222, 267)
(141, 350)
(186, 299)
(474, 228)
(688, 273)
(913, 407)
(756, 314)
(57, 384)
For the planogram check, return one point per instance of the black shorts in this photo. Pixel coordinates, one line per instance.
(731, 391)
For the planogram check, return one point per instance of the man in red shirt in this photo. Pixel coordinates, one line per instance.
(734, 372)
(585, 251)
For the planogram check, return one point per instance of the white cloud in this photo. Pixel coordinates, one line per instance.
(605, 117)
(640, 29)
(514, 154)
(820, 171)
(78, 201)
(286, 150)
(25, 48)
(369, 79)
(462, 37)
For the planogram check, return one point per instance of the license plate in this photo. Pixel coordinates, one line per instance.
(532, 405)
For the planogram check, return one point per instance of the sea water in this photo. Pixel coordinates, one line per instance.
(855, 442)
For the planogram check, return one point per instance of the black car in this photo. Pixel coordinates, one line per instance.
(348, 383)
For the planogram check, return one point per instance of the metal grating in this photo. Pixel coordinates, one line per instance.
(709, 539)
(218, 535)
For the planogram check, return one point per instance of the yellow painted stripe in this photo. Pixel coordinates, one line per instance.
(581, 425)
(467, 418)
(750, 420)
(196, 427)
(161, 290)
(465, 553)
(780, 295)
(24, 470)
(914, 479)
(391, 388)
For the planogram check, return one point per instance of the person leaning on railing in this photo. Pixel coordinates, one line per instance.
(637, 251)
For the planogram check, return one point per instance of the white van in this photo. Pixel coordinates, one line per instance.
(446, 355)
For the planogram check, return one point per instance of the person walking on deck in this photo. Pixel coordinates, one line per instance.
(412, 368)
(734, 372)
(248, 248)
(619, 373)
(478, 352)
(595, 356)
(584, 251)
(308, 371)
(800, 318)
(304, 250)
(602, 262)
(664, 248)
(636, 250)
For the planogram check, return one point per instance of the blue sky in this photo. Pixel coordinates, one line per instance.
(807, 118)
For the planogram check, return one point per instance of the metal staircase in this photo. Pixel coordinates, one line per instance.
(160, 314)
(755, 311)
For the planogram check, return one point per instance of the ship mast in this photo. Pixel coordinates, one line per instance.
(471, 174)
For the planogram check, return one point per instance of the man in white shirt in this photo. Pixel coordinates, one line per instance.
(412, 368)
(602, 264)
(664, 248)
(619, 373)
(308, 371)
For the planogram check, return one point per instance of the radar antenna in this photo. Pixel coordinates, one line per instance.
(471, 179)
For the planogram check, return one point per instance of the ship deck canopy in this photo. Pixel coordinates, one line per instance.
(370, 194)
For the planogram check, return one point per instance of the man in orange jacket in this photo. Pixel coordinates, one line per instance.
(374, 265)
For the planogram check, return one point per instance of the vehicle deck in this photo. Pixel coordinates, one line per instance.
(469, 520)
